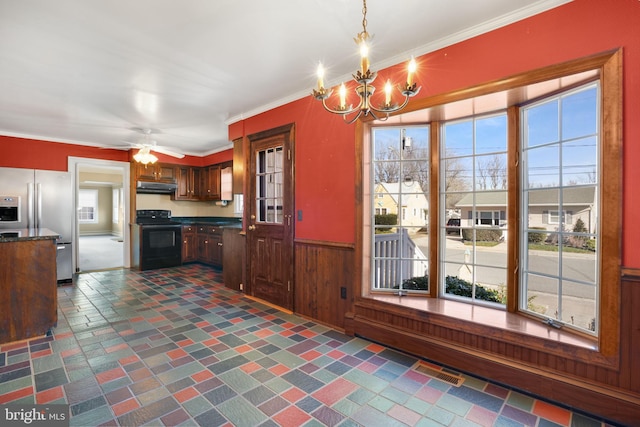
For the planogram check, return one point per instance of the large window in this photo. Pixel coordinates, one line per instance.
(560, 209)
(555, 242)
(400, 182)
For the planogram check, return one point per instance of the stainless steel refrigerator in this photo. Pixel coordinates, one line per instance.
(46, 201)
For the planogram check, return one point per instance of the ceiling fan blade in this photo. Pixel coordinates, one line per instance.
(167, 151)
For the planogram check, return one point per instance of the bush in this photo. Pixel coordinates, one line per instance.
(482, 235)
(386, 219)
(537, 238)
(457, 286)
(420, 283)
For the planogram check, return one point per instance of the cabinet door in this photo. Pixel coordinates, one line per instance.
(203, 247)
(166, 172)
(145, 172)
(233, 259)
(215, 249)
(211, 183)
(188, 181)
(189, 244)
(196, 183)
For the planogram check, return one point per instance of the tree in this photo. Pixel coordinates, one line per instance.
(492, 173)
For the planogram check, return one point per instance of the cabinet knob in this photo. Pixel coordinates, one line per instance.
(219, 244)
(252, 227)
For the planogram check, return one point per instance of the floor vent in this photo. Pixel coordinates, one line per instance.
(454, 380)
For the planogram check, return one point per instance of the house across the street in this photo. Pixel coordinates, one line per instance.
(577, 202)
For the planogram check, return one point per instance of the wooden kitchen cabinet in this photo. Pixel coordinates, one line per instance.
(234, 258)
(188, 179)
(29, 303)
(209, 245)
(189, 244)
(162, 172)
(211, 183)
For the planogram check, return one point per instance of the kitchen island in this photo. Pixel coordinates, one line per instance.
(28, 283)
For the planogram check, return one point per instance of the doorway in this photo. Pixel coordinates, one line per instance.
(271, 222)
(101, 231)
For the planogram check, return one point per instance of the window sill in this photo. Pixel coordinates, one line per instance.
(516, 326)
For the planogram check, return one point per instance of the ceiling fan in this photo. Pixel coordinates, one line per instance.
(147, 145)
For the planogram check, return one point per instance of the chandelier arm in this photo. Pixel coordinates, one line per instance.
(343, 112)
(387, 111)
(356, 117)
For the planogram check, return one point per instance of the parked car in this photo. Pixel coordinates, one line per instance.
(453, 226)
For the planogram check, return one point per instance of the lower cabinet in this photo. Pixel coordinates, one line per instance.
(189, 244)
(234, 258)
(216, 246)
(203, 244)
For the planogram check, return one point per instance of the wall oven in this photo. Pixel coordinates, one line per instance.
(159, 239)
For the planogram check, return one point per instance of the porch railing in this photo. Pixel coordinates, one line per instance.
(396, 258)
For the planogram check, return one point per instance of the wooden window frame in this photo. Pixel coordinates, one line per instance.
(608, 69)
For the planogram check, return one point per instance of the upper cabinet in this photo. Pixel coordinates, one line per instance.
(211, 183)
(188, 179)
(163, 172)
(208, 183)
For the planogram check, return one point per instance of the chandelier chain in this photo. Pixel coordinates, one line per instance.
(364, 17)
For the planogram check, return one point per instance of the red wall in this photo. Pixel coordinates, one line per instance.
(35, 154)
(324, 158)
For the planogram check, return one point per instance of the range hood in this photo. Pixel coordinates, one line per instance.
(154, 187)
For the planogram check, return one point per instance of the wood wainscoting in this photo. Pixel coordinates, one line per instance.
(324, 277)
(608, 390)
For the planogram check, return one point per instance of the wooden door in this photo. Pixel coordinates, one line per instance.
(270, 217)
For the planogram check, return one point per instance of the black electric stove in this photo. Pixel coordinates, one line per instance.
(160, 239)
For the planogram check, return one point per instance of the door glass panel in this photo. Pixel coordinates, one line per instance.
(269, 182)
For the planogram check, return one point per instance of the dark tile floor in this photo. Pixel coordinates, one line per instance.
(174, 347)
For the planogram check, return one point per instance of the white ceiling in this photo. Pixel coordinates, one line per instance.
(92, 72)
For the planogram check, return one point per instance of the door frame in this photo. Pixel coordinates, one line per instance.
(250, 203)
(74, 164)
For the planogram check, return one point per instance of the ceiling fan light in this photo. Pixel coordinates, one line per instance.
(144, 156)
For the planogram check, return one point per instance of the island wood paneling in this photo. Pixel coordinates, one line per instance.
(321, 270)
(28, 307)
(610, 391)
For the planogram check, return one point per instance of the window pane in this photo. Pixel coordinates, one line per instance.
(458, 174)
(400, 203)
(579, 160)
(542, 165)
(579, 305)
(579, 114)
(491, 172)
(491, 134)
(541, 124)
(458, 139)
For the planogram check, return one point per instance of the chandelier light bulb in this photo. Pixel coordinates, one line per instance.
(320, 74)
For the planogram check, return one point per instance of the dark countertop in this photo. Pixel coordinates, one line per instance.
(26, 234)
(211, 220)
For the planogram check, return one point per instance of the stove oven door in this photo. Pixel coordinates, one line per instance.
(160, 246)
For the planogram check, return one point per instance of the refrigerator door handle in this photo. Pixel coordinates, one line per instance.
(30, 207)
(38, 205)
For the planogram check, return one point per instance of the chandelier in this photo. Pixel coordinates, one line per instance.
(144, 156)
(365, 77)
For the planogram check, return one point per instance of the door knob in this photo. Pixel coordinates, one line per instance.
(252, 227)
